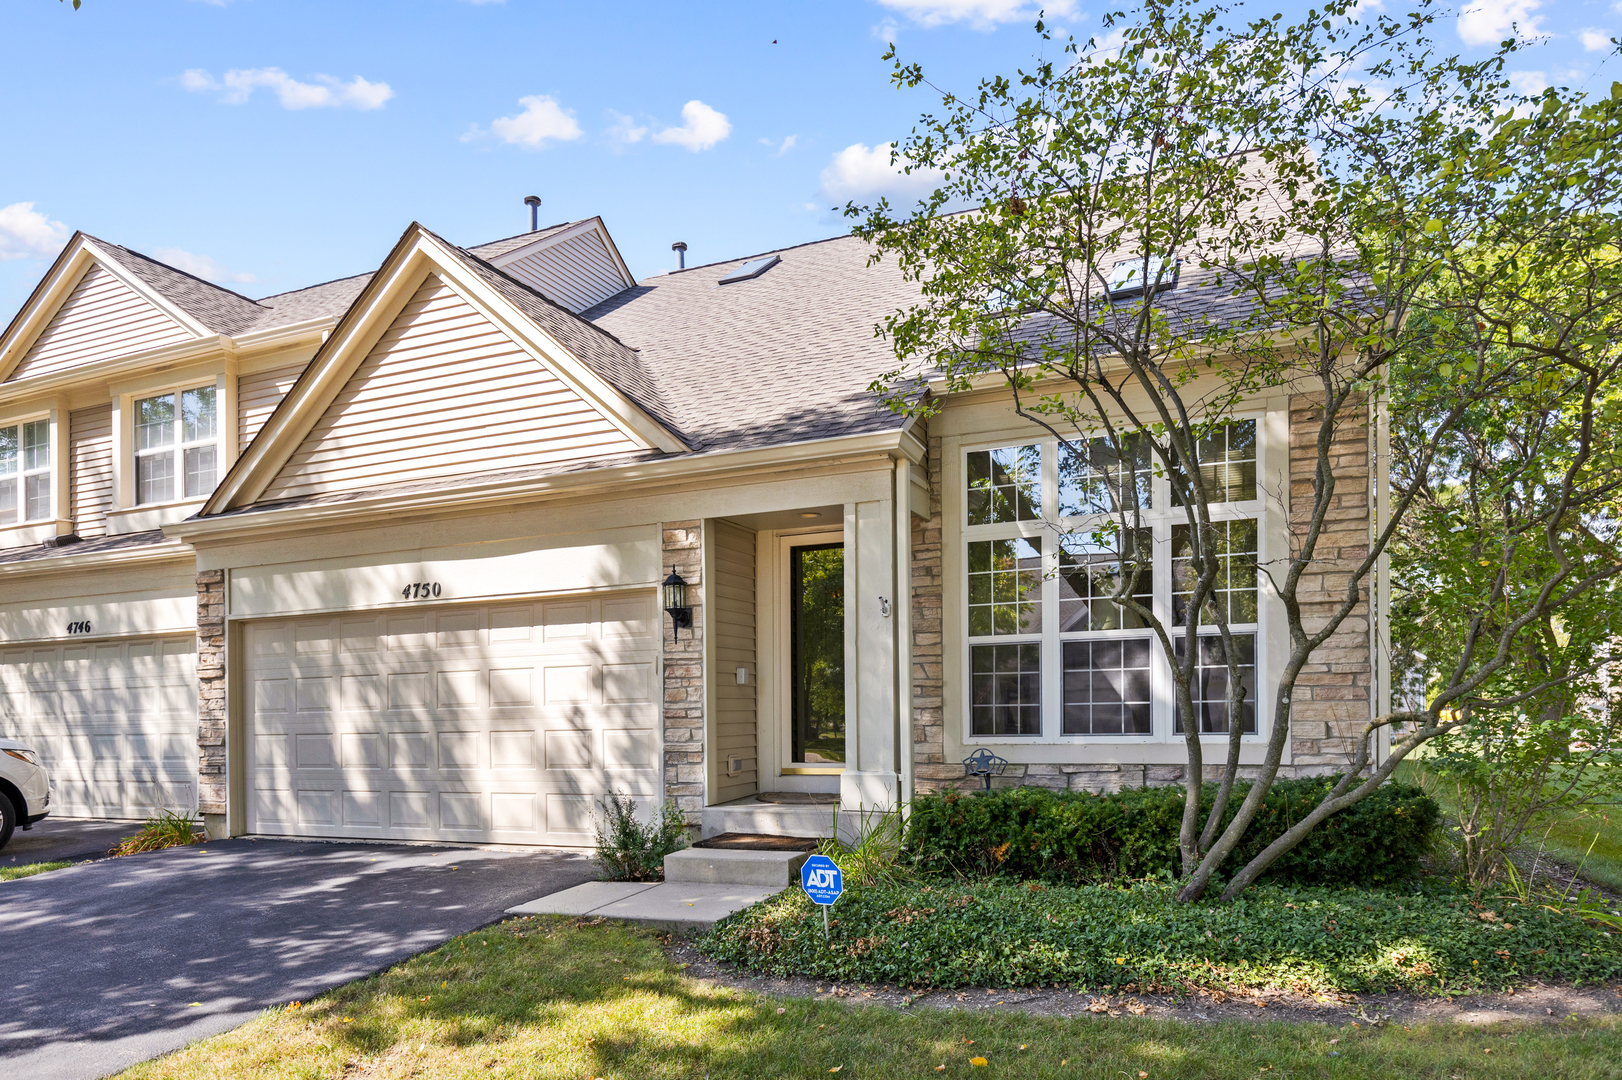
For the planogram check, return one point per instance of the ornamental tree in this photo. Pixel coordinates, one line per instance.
(1136, 239)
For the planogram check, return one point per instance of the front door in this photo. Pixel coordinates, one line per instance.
(817, 654)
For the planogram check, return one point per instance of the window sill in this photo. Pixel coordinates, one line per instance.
(151, 516)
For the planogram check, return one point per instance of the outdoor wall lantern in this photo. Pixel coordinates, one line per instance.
(676, 605)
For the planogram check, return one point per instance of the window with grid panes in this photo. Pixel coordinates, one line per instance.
(1211, 682)
(176, 446)
(1106, 655)
(25, 472)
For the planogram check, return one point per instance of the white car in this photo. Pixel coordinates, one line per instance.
(25, 788)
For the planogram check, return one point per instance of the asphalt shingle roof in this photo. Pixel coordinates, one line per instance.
(497, 248)
(121, 542)
(784, 357)
(327, 300)
(220, 310)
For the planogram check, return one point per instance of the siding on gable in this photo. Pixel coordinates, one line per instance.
(574, 274)
(444, 393)
(733, 637)
(258, 395)
(102, 318)
(90, 452)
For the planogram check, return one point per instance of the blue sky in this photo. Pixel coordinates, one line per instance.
(273, 144)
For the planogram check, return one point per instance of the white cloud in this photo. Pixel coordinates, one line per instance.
(1487, 22)
(859, 173)
(980, 14)
(1596, 40)
(788, 144)
(326, 92)
(702, 127)
(542, 120)
(1529, 82)
(200, 266)
(25, 233)
(888, 30)
(625, 131)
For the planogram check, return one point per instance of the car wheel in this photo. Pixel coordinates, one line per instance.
(8, 820)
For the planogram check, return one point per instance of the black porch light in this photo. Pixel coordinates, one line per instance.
(676, 605)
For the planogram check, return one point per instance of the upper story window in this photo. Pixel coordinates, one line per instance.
(25, 472)
(1051, 650)
(176, 446)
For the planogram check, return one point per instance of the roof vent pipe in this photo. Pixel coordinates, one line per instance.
(680, 248)
(534, 204)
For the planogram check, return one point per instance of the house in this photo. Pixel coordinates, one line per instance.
(383, 558)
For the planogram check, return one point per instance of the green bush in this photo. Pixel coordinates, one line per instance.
(628, 850)
(1066, 837)
(1098, 937)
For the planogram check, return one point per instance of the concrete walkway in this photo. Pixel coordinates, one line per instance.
(678, 906)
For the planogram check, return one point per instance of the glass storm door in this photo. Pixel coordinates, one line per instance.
(817, 642)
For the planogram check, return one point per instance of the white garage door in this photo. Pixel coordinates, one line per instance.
(501, 724)
(116, 722)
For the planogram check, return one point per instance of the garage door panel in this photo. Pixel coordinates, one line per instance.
(115, 722)
(502, 722)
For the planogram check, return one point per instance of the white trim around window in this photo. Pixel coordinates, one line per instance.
(175, 443)
(1018, 620)
(27, 468)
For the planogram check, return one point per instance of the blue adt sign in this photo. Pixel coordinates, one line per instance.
(820, 879)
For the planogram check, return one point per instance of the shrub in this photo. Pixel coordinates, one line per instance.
(1311, 940)
(628, 850)
(166, 830)
(1079, 838)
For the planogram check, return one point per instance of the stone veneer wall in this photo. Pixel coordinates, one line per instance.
(1331, 704)
(683, 544)
(211, 768)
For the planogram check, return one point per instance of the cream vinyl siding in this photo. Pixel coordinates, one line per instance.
(732, 622)
(90, 450)
(444, 393)
(504, 723)
(574, 274)
(101, 318)
(258, 395)
(114, 721)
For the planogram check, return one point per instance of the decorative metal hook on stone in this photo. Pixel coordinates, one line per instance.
(983, 763)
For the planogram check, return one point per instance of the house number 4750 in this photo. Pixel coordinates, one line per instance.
(420, 590)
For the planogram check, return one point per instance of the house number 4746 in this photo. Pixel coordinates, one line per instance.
(82, 626)
(420, 590)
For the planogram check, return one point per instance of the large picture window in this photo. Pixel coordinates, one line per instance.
(25, 472)
(1055, 602)
(176, 446)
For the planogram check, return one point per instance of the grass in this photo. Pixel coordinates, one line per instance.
(551, 999)
(11, 873)
(1105, 938)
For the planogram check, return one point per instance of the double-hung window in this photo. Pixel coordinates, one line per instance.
(1068, 549)
(176, 446)
(25, 472)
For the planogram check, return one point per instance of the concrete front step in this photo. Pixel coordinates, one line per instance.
(722, 866)
(773, 819)
(673, 906)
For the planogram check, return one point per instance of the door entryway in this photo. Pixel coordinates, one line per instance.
(816, 661)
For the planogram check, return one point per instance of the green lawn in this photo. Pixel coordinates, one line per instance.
(547, 998)
(8, 873)
(1569, 834)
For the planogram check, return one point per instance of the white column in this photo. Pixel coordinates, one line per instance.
(871, 780)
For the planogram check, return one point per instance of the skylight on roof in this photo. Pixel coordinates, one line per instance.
(752, 269)
(1132, 275)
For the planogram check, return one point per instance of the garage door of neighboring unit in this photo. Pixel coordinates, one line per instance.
(500, 724)
(116, 722)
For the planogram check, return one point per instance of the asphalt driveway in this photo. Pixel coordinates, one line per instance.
(65, 840)
(112, 962)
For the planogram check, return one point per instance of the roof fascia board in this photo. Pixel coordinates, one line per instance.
(168, 550)
(165, 356)
(48, 295)
(578, 376)
(634, 478)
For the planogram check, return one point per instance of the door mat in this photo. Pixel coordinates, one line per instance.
(799, 798)
(738, 841)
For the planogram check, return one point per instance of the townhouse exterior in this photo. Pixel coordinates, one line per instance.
(384, 558)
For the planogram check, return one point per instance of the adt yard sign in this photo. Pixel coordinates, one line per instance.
(820, 879)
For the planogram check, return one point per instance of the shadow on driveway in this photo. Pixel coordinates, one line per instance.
(66, 840)
(109, 963)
